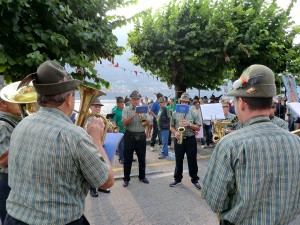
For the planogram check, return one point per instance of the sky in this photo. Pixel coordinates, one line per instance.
(155, 4)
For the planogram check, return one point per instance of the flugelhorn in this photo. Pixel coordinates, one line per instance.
(143, 119)
(25, 97)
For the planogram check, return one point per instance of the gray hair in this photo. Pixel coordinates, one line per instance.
(53, 100)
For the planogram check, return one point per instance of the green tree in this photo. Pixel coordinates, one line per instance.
(74, 32)
(194, 43)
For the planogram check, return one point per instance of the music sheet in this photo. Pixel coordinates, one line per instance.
(212, 111)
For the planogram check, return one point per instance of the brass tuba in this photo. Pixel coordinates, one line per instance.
(297, 132)
(218, 132)
(25, 97)
(87, 96)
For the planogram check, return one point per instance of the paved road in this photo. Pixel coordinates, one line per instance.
(154, 203)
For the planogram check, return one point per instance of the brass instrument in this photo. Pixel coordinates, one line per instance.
(218, 132)
(87, 97)
(25, 97)
(143, 119)
(297, 132)
(114, 128)
(180, 130)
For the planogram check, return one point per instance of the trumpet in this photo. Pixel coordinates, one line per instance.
(25, 97)
(114, 128)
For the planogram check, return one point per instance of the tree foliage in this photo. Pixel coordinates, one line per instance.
(194, 43)
(74, 32)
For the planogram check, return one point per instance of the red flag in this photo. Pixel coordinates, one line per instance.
(135, 72)
(117, 65)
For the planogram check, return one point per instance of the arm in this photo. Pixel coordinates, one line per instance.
(95, 128)
(128, 120)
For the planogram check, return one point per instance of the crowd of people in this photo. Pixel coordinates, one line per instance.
(48, 163)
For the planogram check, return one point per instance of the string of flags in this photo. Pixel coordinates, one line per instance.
(136, 72)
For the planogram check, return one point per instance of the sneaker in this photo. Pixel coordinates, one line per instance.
(161, 156)
(152, 148)
(169, 146)
(175, 183)
(125, 184)
(197, 185)
(104, 190)
(93, 192)
(145, 180)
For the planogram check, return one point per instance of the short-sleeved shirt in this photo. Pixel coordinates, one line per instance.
(280, 122)
(8, 122)
(191, 116)
(52, 162)
(135, 125)
(155, 107)
(253, 176)
(118, 118)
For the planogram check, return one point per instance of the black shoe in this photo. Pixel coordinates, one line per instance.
(175, 183)
(121, 161)
(133, 160)
(197, 185)
(145, 180)
(94, 193)
(125, 184)
(104, 190)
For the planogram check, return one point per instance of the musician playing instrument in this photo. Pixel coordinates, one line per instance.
(134, 139)
(10, 116)
(253, 174)
(191, 123)
(52, 161)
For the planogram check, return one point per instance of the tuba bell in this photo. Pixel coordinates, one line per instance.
(87, 96)
(25, 97)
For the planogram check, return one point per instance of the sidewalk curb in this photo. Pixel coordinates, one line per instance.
(136, 174)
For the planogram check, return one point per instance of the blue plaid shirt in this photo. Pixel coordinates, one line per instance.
(51, 164)
(253, 177)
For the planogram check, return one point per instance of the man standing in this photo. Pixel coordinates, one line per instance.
(154, 111)
(191, 123)
(253, 174)
(10, 116)
(134, 139)
(276, 120)
(52, 161)
(117, 110)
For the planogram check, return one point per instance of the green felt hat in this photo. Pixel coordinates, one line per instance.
(257, 81)
(185, 97)
(52, 79)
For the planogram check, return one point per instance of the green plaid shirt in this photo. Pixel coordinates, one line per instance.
(280, 122)
(253, 177)
(135, 125)
(191, 116)
(52, 162)
(5, 132)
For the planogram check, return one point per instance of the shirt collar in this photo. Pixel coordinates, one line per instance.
(257, 119)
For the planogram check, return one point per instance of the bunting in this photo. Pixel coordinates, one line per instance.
(136, 72)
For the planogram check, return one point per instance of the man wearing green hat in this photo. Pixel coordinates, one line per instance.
(52, 161)
(253, 174)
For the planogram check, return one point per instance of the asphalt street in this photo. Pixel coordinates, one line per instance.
(154, 203)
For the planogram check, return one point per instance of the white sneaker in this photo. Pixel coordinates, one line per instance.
(169, 146)
(152, 148)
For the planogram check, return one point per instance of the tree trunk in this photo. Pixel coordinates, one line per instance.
(178, 82)
(1, 81)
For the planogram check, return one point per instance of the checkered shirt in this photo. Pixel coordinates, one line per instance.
(253, 177)
(135, 125)
(52, 162)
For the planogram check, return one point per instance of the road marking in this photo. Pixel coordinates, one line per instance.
(161, 163)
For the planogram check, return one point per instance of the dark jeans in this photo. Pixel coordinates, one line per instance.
(134, 141)
(12, 221)
(170, 138)
(188, 147)
(4, 192)
(225, 222)
(121, 149)
(155, 133)
(208, 134)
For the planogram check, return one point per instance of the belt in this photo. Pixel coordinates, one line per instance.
(130, 132)
(188, 137)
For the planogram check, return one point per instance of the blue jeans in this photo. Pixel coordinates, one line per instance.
(164, 139)
(121, 149)
(4, 192)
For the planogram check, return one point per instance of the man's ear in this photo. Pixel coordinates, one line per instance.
(242, 105)
(69, 99)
